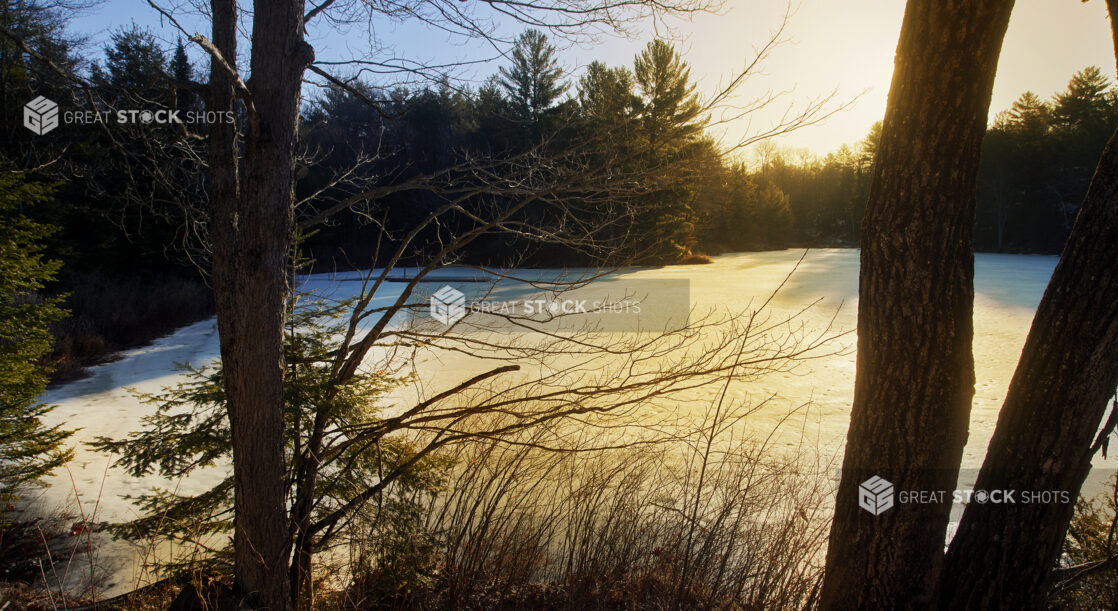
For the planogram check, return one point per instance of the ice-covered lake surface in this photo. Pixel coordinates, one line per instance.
(1008, 288)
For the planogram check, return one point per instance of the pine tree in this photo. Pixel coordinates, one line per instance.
(1085, 104)
(534, 81)
(608, 103)
(134, 70)
(1029, 114)
(869, 146)
(29, 449)
(188, 429)
(182, 72)
(670, 126)
(670, 106)
(180, 63)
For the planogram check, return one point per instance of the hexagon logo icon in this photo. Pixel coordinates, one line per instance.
(40, 115)
(448, 305)
(875, 495)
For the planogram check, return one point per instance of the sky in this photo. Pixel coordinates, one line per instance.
(842, 47)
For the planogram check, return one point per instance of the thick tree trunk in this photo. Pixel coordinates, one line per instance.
(915, 376)
(250, 228)
(1003, 554)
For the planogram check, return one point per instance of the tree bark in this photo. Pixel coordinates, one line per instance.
(1003, 554)
(250, 224)
(915, 373)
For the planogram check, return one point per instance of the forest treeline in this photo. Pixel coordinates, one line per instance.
(647, 115)
(128, 201)
(1037, 160)
(626, 118)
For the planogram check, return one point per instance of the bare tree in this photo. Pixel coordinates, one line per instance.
(250, 228)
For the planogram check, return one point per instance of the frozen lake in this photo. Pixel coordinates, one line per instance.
(1008, 288)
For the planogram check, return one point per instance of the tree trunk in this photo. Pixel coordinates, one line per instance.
(250, 229)
(307, 466)
(1004, 553)
(915, 375)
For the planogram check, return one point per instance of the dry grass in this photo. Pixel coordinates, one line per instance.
(699, 521)
(706, 520)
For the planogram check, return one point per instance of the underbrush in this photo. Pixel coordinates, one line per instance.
(38, 550)
(697, 522)
(1087, 577)
(517, 527)
(633, 500)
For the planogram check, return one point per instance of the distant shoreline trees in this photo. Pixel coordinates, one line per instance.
(646, 121)
(1037, 160)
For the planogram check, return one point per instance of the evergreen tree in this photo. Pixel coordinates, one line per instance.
(608, 104)
(1036, 163)
(534, 82)
(496, 130)
(134, 69)
(188, 429)
(1028, 114)
(772, 219)
(670, 124)
(738, 214)
(180, 63)
(1083, 116)
(141, 186)
(182, 72)
(670, 107)
(1086, 103)
(23, 76)
(29, 449)
(868, 148)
